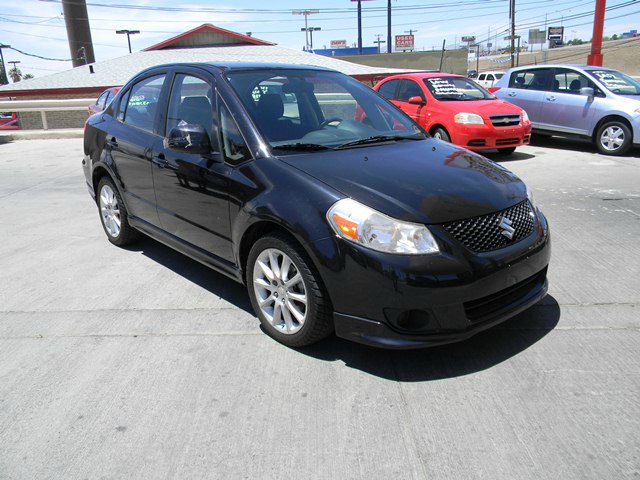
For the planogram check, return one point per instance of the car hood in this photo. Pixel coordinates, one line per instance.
(426, 181)
(483, 108)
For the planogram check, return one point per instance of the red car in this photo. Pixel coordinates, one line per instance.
(456, 109)
(103, 100)
(8, 121)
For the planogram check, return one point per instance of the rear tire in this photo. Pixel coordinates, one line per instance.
(506, 151)
(113, 214)
(614, 138)
(441, 134)
(286, 292)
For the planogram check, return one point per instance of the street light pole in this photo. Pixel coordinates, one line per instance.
(128, 33)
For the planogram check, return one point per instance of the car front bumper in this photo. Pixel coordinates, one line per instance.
(486, 137)
(400, 301)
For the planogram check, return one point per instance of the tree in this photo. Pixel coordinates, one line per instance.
(614, 36)
(15, 74)
(27, 76)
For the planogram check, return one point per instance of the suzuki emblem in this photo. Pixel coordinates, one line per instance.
(507, 229)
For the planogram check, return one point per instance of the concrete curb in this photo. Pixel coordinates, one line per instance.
(12, 135)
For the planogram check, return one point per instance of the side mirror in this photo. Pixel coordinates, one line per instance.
(188, 138)
(416, 100)
(588, 92)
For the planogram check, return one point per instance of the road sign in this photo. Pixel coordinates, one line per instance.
(404, 42)
(338, 44)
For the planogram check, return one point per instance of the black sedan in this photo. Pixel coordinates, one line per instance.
(336, 210)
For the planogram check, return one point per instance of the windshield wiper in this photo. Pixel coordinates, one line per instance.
(379, 139)
(302, 146)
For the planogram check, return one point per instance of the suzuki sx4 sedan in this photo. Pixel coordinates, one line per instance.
(367, 228)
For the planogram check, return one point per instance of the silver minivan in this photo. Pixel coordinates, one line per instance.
(595, 102)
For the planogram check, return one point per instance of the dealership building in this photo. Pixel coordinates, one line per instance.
(206, 43)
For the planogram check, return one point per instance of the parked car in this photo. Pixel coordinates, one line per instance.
(488, 79)
(597, 103)
(455, 109)
(472, 73)
(369, 228)
(9, 121)
(103, 100)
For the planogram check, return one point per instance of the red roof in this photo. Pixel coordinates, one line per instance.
(207, 27)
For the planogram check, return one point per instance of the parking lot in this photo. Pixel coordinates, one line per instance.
(142, 363)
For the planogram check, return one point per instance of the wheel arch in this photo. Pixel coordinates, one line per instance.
(610, 118)
(435, 126)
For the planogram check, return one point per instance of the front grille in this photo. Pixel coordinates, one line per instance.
(505, 120)
(483, 234)
(506, 141)
(486, 307)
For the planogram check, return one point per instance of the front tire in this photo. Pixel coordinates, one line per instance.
(441, 134)
(113, 214)
(286, 292)
(506, 151)
(614, 138)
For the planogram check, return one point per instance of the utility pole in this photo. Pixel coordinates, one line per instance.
(306, 14)
(128, 33)
(410, 32)
(378, 41)
(595, 57)
(14, 63)
(76, 20)
(4, 80)
(388, 26)
(359, 27)
(311, 30)
(512, 16)
(444, 42)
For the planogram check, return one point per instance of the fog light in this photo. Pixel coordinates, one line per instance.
(410, 321)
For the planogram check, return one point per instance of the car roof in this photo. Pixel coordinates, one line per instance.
(560, 65)
(230, 66)
(421, 75)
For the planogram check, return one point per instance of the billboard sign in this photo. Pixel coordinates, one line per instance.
(555, 32)
(468, 39)
(404, 42)
(338, 44)
(536, 36)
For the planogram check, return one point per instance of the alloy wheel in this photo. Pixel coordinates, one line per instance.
(280, 291)
(110, 211)
(612, 138)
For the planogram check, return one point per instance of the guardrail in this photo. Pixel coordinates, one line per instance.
(44, 106)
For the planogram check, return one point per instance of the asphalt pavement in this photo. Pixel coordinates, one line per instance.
(141, 363)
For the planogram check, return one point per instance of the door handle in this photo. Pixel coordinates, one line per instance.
(512, 94)
(551, 98)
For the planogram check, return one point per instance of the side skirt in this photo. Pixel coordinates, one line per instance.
(210, 260)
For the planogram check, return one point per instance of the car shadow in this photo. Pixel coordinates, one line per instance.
(514, 157)
(574, 144)
(203, 276)
(481, 352)
(478, 353)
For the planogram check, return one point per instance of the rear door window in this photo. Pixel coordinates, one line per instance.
(388, 89)
(482, 76)
(142, 104)
(408, 89)
(534, 79)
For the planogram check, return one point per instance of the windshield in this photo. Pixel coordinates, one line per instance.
(310, 109)
(616, 81)
(456, 89)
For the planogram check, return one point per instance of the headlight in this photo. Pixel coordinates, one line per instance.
(468, 118)
(360, 224)
(525, 117)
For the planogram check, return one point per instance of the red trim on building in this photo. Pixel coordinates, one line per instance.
(210, 28)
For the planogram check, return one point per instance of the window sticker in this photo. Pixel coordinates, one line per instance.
(443, 86)
(610, 80)
(138, 101)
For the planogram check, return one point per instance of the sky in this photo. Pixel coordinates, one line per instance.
(37, 26)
